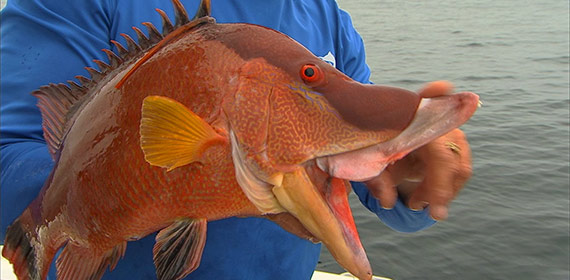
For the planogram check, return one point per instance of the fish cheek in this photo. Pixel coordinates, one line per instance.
(248, 108)
(267, 118)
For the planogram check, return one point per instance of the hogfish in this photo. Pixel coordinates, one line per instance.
(205, 121)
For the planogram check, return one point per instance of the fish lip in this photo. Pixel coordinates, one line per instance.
(435, 117)
(323, 209)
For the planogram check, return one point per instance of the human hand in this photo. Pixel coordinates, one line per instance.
(432, 174)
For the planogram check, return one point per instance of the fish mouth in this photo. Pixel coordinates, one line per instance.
(309, 203)
(435, 117)
(316, 193)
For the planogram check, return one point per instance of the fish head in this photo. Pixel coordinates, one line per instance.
(292, 106)
(300, 129)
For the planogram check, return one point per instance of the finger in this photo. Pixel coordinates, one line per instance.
(382, 187)
(437, 190)
(418, 200)
(465, 170)
(437, 88)
(405, 191)
(462, 171)
(438, 186)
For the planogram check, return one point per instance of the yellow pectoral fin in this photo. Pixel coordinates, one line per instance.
(171, 134)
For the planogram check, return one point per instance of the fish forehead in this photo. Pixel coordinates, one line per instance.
(253, 41)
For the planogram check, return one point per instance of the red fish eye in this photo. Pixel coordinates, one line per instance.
(310, 73)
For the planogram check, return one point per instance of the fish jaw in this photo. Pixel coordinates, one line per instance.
(435, 117)
(324, 211)
(318, 202)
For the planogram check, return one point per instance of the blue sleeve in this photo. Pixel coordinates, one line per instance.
(351, 55)
(400, 218)
(352, 61)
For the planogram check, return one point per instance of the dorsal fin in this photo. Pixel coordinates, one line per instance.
(123, 52)
(133, 47)
(56, 101)
(169, 31)
(114, 60)
(204, 10)
(154, 35)
(103, 66)
(167, 26)
(95, 75)
(143, 41)
(181, 16)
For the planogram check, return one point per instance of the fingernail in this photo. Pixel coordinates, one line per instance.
(419, 206)
(438, 213)
(386, 206)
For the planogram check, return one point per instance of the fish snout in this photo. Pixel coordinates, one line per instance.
(372, 107)
(435, 117)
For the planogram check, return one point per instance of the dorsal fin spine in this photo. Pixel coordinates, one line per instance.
(154, 35)
(167, 26)
(76, 89)
(114, 60)
(204, 10)
(123, 52)
(142, 40)
(132, 46)
(104, 67)
(95, 75)
(181, 17)
(85, 82)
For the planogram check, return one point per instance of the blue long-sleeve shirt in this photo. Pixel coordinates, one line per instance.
(51, 41)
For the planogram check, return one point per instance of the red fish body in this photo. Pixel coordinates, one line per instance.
(204, 123)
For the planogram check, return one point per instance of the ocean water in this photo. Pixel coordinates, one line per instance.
(512, 219)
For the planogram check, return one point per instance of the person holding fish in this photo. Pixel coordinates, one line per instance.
(403, 175)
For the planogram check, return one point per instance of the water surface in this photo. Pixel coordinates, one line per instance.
(512, 219)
